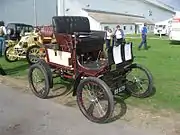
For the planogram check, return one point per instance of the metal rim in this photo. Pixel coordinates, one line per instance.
(137, 81)
(10, 54)
(96, 97)
(38, 81)
(34, 54)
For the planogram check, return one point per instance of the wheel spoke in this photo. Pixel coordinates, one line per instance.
(98, 91)
(100, 110)
(38, 79)
(142, 81)
(11, 54)
(34, 55)
(42, 91)
(94, 94)
(91, 109)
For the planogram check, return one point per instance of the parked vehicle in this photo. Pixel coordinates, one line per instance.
(77, 55)
(16, 50)
(14, 30)
(174, 34)
(29, 44)
(161, 29)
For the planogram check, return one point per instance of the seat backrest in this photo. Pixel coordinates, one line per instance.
(46, 31)
(70, 24)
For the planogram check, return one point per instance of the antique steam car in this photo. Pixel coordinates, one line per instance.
(78, 55)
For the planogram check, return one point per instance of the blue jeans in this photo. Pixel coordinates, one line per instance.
(2, 45)
(143, 42)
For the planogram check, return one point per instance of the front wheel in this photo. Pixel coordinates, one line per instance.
(95, 100)
(32, 54)
(39, 81)
(10, 55)
(139, 81)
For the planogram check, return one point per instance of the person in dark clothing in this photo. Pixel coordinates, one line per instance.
(108, 37)
(144, 37)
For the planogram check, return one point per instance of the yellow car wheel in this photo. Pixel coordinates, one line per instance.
(32, 54)
(10, 55)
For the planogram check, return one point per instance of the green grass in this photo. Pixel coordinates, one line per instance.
(18, 68)
(150, 35)
(162, 59)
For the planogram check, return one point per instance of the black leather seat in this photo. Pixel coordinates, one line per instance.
(70, 24)
(89, 42)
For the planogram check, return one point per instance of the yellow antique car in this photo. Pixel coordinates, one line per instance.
(16, 50)
(29, 44)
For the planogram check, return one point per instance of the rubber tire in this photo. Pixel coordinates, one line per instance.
(149, 90)
(27, 53)
(47, 86)
(5, 55)
(109, 95)
(48, 70)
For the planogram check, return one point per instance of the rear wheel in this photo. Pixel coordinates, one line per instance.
(39, 81)
(32, 54)
(99, 99)
(10, 55)
(139, 81)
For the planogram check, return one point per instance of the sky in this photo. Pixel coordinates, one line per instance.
(173, 3)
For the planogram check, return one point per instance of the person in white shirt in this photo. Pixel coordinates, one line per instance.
(108, 36)
(118, 35)
(3, 33)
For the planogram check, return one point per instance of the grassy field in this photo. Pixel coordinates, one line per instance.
(150, 35)
(162, 59)
(19, 68)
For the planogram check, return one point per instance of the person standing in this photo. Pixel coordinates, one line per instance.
(144, 37)
(108, 36)
(2, 37)
(119, 35)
